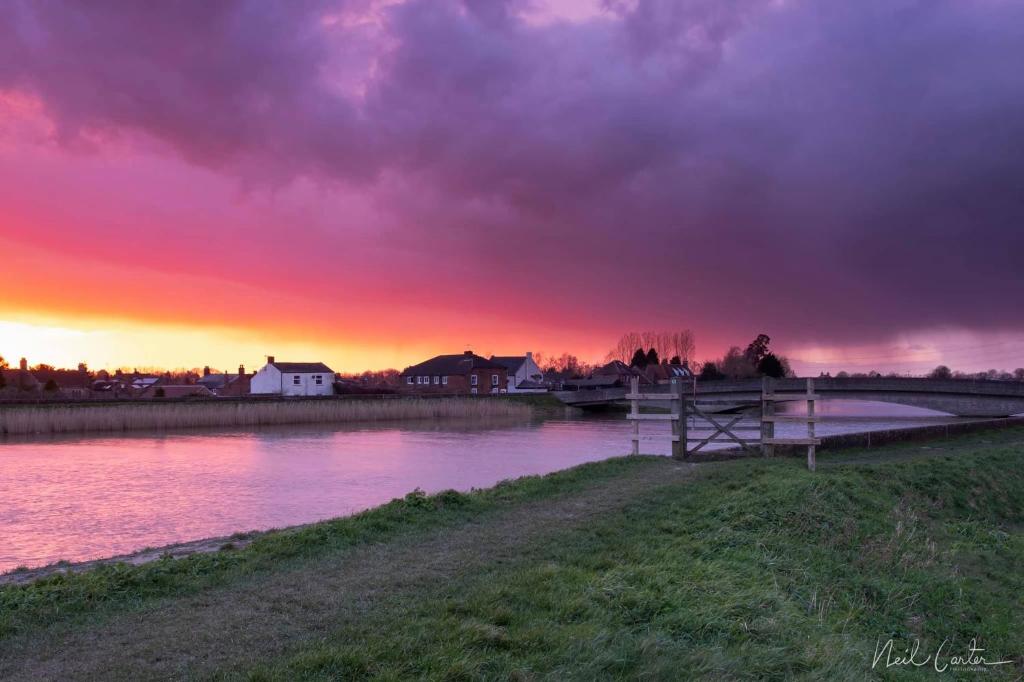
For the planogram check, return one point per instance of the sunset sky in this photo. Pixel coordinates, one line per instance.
(370, 182)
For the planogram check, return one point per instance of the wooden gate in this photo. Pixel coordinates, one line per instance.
(693, 422)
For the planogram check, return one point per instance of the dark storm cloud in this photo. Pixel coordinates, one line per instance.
(827, 170)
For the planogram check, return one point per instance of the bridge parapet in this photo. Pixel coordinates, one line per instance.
(965, 398)
(959, 386)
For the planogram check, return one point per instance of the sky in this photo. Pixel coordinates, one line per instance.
(372, 182)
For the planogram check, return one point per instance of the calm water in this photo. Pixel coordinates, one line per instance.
(90, 497)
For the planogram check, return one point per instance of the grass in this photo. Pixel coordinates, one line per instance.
(544, 401)
(55, 419)
(637, 568)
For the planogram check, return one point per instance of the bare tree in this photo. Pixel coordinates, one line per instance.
(666, 343)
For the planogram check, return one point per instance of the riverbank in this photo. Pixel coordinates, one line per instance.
(157, 415)
(633, 567)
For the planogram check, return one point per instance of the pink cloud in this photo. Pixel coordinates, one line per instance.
(830, 172)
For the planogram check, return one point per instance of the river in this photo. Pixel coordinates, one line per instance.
(80, 498)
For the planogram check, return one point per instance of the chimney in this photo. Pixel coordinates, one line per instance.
(529, 354)
(206, 371)
(467, 353)
(241, 370)
(23, 365)
(270, 359)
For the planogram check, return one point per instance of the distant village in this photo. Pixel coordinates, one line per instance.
(463, 373)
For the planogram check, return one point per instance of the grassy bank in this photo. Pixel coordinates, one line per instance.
(627, 569)
(50, 419)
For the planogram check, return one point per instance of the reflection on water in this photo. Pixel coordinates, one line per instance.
(79, 498)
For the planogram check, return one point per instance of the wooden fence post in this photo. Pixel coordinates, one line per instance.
(634, 407)
(679, 421)
(811, 454)
(767, 410)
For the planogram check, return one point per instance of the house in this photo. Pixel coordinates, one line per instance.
(664, 373)
(159, 391)
(524, 375)
(613, 375)
(621, 373)
(21, 379)
(224, 385)
(292, 379)
(455, 374)
(134, 383)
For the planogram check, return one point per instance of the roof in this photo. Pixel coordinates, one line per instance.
(679, 371)
(667, 371)
(16, 377)
(511, 362)
(179, 391)
(302, 367)
(65, 378)
(448, 365)
(527, 384)
(617, 367)
(212, 381)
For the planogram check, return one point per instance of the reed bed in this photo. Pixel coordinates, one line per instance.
(48, 419)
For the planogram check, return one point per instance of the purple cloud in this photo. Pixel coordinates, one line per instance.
(823, 170)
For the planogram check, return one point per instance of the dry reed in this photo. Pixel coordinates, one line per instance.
(47, 419)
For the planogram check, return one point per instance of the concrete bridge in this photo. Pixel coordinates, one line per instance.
(963, 398)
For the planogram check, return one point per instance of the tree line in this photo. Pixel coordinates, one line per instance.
(756, 360)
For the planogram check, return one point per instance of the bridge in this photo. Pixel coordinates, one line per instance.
(963, 398)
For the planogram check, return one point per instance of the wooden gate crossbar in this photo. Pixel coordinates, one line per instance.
(725, 430)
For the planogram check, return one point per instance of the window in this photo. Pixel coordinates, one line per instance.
(444, 380)
(474, 380)
(318, 379)
(409, 380)
(426, 380)
(437, 380)
(473, 390)
(494, 380)
(296, 380)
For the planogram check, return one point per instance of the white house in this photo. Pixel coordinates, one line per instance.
(293, 378)
(524, 375)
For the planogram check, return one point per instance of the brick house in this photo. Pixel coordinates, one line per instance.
(665, 372)
(455, 374)
(231, 385)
